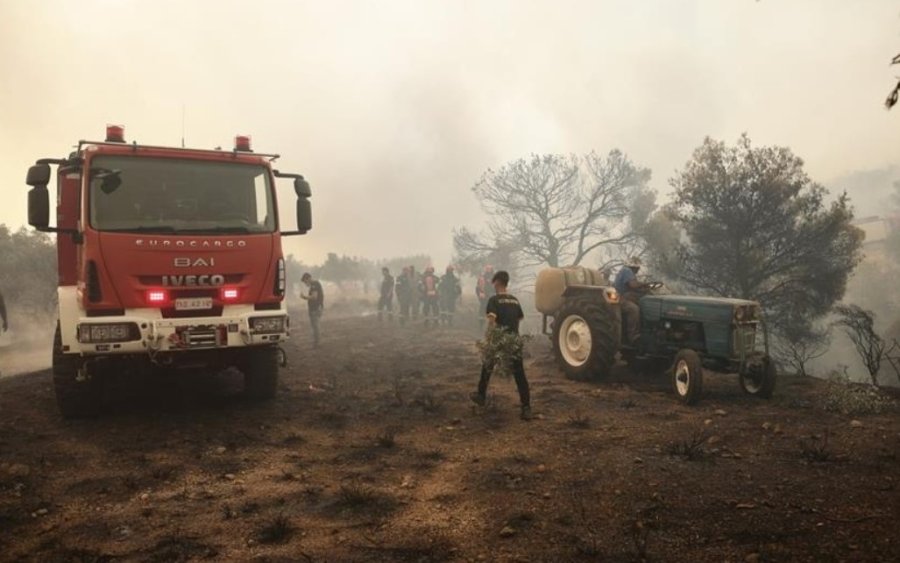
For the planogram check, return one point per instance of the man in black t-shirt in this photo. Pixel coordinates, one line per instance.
(504, 313)
(316, 301)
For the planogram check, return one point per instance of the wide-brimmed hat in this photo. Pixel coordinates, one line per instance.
(633, 262)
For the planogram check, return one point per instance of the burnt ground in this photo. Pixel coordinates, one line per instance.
(372, 452)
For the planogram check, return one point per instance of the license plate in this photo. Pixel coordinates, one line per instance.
(193, 303)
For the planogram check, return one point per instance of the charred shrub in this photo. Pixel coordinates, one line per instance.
(690, 449)
(816, 449)
(579, 421)
(276, 530)
(387, 438)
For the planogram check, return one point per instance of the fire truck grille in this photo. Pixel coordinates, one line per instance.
(197, 337)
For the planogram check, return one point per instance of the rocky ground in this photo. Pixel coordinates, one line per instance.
(372, 452)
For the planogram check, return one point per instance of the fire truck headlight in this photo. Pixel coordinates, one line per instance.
(108, 332)
(267, 324)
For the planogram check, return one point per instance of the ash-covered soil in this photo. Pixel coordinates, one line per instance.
(373, 452)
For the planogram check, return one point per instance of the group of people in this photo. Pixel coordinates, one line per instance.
(434, 296)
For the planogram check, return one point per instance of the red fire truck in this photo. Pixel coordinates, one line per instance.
(168, 258)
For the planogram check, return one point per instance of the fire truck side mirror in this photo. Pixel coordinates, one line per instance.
(38, 175)
(39, 207)
(301, 187)
(304, 215)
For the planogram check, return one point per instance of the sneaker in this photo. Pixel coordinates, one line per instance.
(526, 413)
(477, 398)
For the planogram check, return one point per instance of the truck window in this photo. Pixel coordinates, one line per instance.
(139, 194)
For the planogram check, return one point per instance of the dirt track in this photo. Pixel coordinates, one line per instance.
(372, 452)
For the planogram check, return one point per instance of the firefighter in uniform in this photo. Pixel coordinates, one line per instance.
(404, 292)
(450, 292)
(386, 299)
(484, 290)
(428, 288)
(416, 301)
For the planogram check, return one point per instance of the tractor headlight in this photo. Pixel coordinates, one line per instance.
(267, 324)
(108, 332)
(611, 295)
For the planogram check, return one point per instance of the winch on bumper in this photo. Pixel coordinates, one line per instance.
(136, 335)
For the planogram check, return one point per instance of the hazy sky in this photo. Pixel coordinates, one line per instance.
(394, 109)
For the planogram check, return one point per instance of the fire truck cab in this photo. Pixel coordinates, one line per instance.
(167, 258)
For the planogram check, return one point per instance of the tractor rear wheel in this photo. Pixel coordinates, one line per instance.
(76, 397)
(758, 379)
(586, 336)
(687, 376)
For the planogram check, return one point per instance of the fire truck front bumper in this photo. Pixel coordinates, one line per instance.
(137, 334)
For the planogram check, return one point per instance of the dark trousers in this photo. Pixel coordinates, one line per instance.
(518, 370)
(314, 316)
(386, 304)
(430, 309)
(404, 309)
(448, 307)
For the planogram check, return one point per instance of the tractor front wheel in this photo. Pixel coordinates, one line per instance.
(758, 378)
(687, 376)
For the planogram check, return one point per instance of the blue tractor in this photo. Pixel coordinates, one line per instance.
(679, 334)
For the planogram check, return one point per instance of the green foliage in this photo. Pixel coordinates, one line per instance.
(397, 263)
(751, 224)
(503, 347)
(28, 276)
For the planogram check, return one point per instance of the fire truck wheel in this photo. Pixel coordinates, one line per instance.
(260, 370)
(76, 397)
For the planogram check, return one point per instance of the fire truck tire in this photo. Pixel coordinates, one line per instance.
(585, 338)
(75, 399)
(260, 370)
(687, 376)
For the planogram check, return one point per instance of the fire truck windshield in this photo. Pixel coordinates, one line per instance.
(139, 194)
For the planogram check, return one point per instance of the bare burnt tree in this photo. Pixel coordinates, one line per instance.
(473, 252)
(859, 324)
(555, 209)
(891, 100)
(798, 345)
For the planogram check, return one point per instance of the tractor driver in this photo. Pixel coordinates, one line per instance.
(631, 290)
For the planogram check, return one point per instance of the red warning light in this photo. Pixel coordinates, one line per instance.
(230, 294)
(157, 296)
(242, 143)
(115, 134)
